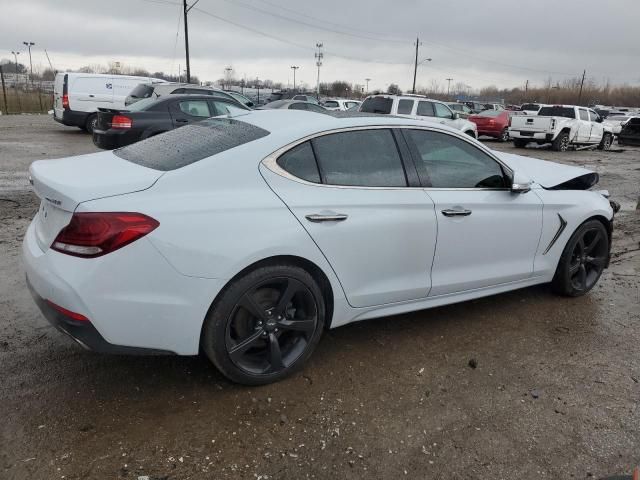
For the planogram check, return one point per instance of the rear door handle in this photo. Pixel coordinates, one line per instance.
(182, 120)
(328, 217)
(449, 212)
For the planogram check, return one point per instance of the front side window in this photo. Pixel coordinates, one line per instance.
(425, 109)
(594, 116)
(366, 158)
(445, 161)
(442, 111)
(196, 108)
(405, 107)
(583, 114)
(300, 162)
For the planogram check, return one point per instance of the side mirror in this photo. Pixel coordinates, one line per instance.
(455, 116)
(520, 183)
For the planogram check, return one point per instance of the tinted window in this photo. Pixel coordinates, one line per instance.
(191, 143)
(178, 91)
(377, 105)
(442, 111)
(530, 107)
(298, 106)
(456, 106)
(594, 116)
(405, 107)
(361, 158)
(141, 91)
(445, 161)
(195, 108)
(331, 104)
(425, 109)
(300, 162)
(567, 112)
(197, 91)
(316, 108)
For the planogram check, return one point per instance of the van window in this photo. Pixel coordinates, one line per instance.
(377, 105)
(425, 109)
(405, 106)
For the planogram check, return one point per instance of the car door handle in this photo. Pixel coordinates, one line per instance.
(449, 212)
(328, 217)
(91, 96)
(182, 120)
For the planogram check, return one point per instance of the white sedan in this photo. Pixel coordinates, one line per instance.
(246, 237)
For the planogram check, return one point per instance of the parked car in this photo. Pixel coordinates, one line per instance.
(493, 106)
(531, 108)
(616, 122)
(152, 90)
(230, 237)
(494, 123)
(460, 108)
(246, 101)
(475, 107)
(294, 105)
(420, 108)
(305, 98)
(149, 117)
(630, 133)
(340, 104)
(562, 126)
(77, 96)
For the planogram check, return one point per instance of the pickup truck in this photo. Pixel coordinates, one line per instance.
(562, 126)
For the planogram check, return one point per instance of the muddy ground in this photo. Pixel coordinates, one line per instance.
(554, 393)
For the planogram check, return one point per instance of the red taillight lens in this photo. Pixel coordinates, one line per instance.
(120, 121)
(65, 101)
(92, 235)
(68, 313)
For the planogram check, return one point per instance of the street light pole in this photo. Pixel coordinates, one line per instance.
(294, 68)
(367, 80)
(185, 9)
(415, 67)
(29, 45)
(449, 80)
(15, 56)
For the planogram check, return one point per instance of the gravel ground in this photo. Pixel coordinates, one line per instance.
(520, 385)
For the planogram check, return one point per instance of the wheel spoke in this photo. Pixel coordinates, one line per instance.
(303, 325)
(573, 269)
(240, 348)
(596, 239)
(582, 277)
(275, 355)
(598, 262)
(249, 304)
(290, 289)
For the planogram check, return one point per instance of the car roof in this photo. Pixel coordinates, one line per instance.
(407, 96)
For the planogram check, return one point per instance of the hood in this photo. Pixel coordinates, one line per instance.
(550, 175)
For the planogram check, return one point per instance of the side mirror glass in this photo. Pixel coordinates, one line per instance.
(455, 116)
(520, 183)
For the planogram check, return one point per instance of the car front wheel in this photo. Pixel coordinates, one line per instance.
(583, 260)
(265, 324)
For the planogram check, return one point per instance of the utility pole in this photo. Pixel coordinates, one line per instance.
(319, 55)
(294, 68)
(415, 66)
(186, 9)
(367, 80)
(526, 87)
(584, 74)
(449, 80)
(29, 45)
(4, 91)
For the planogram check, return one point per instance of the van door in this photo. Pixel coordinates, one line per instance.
(59, 89)
(88, 93)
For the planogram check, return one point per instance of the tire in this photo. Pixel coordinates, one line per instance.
(583, 260)
(561, 143)
(265, 324)
(520, 143)
(90, 123)
(605, 143)
(504, 136)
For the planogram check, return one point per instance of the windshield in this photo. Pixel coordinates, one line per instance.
(567, 112)
(141, 91)
(490, 113)
(377, 105)
(141, 105)
(530, 107)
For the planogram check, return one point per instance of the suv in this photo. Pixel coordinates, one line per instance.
(419, 108)
(146, 90)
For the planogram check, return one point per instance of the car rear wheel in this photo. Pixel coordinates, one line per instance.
(265, 324)
(504, 136)
(583, 260)
(90, 123)
(605, 143)
(519, 143)
(561, 143)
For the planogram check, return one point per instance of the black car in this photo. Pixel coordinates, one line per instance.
(152, 116)
(630, 133)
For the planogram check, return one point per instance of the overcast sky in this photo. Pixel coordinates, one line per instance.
(478, 43)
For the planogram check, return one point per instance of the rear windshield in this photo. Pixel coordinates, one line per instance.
(191, 143)
(567, 112)
(331, 104)
(377, 105)
(530, 106)
(490, 113)
(142, 91)
(276, 104)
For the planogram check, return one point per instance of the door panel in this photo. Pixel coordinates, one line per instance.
(496, 243)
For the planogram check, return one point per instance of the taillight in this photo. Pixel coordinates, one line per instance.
(65, 101)
(120, 121)
(92, 235)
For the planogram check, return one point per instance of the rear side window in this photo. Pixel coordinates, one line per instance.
(141, 91)
(331, 104)
(405, 107)
(377, 105)
(366, 158)
(191, 143)
(195, 108)
(300, 162)
(442, 111)
(425, 109)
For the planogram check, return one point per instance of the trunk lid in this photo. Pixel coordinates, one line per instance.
(63, 184)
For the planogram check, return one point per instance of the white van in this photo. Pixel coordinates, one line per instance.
(77, 96)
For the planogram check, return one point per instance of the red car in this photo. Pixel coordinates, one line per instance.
(493, 123)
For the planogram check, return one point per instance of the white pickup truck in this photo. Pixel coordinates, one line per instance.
(562, 126)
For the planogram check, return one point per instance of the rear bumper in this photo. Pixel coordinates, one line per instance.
(110, 139)
(72, 118)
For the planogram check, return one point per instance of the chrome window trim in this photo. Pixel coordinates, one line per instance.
(270, 161)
